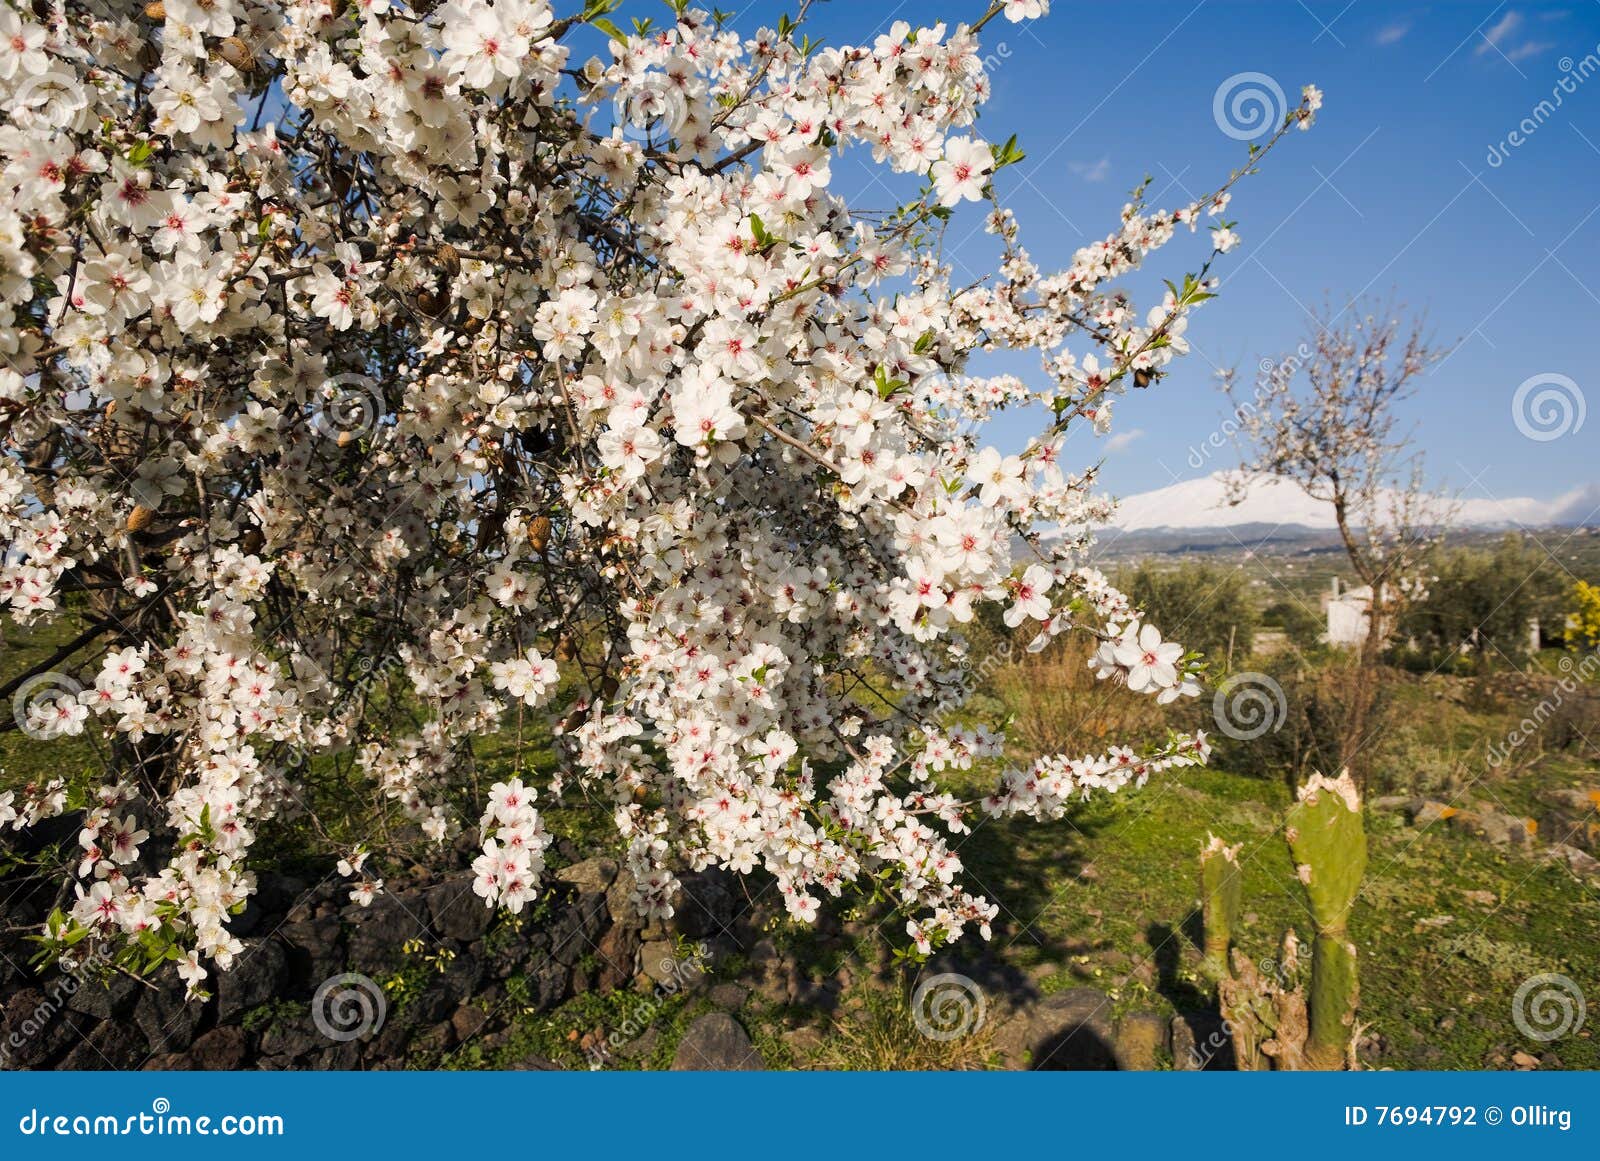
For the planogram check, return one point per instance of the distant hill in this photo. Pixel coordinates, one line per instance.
(1273, 509)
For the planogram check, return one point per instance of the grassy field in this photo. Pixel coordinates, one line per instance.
(1448, 926)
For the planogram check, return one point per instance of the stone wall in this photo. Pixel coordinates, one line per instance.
(318, 972)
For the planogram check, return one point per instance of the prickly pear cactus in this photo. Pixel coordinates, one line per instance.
(1329, 846)
(1221, 896)
(1274, 1023)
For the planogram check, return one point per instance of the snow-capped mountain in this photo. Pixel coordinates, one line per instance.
(1203, 503)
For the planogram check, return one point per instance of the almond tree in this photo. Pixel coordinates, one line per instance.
(383, 375)
(1324, 418)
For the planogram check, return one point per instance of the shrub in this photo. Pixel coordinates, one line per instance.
(487, 386)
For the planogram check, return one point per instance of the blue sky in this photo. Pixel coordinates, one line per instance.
(1391, 193)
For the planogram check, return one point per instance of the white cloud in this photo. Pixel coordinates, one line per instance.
(1091, 171)
(1503, 28)
(1122, 439)
(1394, 33)
(1528, 48)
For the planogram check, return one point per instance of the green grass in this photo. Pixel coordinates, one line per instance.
(1109, 900)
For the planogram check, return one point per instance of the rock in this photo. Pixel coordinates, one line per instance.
(1201, 1042)
(166, 1016)
(468, 1021)
(106, 999)
(1500, 829)
(456, 911)
(1578, 801)
(1071, 1030)
(1581, 864)
(658, 960)
(803, 1042)
(1184, 1054)
(315, 950)
(378, 934)
(707, 904)
(618, 952)
(219, 1050)
(619, 902)
(534, 1064)
(577, 927)
(1143, 1041)
(590, 877)
(257, 976)
(716, 1042)
(1403, 802)
(642, 1045)
(1431, 812)
(729, 997)
(292, 1037)
(112, 1045)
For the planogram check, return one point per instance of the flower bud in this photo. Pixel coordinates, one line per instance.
(237, 53)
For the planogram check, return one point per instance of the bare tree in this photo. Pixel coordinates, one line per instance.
(1324, 417)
